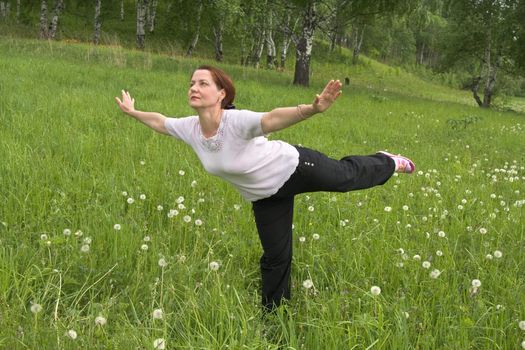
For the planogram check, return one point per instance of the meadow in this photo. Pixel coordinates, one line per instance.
(114, 237)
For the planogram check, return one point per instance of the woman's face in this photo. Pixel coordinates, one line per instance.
(203, 91)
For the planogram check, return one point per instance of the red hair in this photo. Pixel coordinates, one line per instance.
(223, 81)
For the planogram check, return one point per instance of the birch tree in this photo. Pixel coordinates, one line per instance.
(152, 14)
(195, 38)
(303, 46)
(43, 19)
(53, 26)
(96, 35)
(122, 10)
(142, 5)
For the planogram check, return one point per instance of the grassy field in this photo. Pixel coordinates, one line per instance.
(103, 222)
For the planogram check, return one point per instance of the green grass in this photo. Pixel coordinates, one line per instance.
(68, 154)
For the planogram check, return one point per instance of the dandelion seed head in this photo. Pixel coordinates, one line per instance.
(36, 308)
(214, 266)
(159, 343)
(100, 321)
(144, 247)
(43, 236)
(142, 162)
(375, 290)
(85, 248)
(66, 232)
(426, 264)
(311, 208)
(130, 200)
(158, 314)
(498, 254)
(523, 344)
(521, 324)
(163, 262)
(489, 257)
(388, 209)
(117, 227)
(160, 207)
(435, 273)
(308, 284)
(439, 253)
(405, 207)
(315, 236)
(78, 233)
(124, 194)
(302, 239)
(186, 218)
(476, 283)
(72, 334)
(146, 239)
(181, 206)
(483, 230)
(198, 222)
(441, 234)
(87, 240)
(236, 206)
(416, 257)
(142, 197)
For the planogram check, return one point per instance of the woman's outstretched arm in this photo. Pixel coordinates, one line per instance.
(152, 119)
(281, 118)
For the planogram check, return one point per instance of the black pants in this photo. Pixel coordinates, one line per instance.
(274, 215)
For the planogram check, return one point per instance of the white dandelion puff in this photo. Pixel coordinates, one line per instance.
(388, 209)
(78, 233)
(124, 194)
(236, 206)
(130, 200)
(72, 334)
(523, 344)
(476, 283)
(100, 321)
(146, 239)
(193, 184)
(66, 232)
(163, 262)
(498, 254)
(85, 248)
(521, 324)
(198, 222)
(142, 197)
(483, 230)
(43, 236)
(159, 343)
(405, 207)
(442, 234)
(439, 253)
(158, 314)
(36, 308)
(214, 266)
(117, 227)
(435, 273)
(144, 247)
(142, 162)
(375, 290)
(308, 284)
(179, 200)
(186, 218)
(311, 208)
(315, 236)
(417, 257)
(181, 206)
(160, 207)
(87, 240)
(426, 264)
(182, 172)
(489, 257)
(302, 239)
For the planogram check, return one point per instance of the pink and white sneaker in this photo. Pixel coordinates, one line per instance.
(403, 164)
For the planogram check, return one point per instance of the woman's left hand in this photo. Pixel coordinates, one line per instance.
(324, 100)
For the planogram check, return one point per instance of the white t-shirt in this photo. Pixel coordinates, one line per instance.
(239, 153)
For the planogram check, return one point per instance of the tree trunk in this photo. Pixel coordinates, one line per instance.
(195, 39)
(53, 26)
(303, 51)
(152, 15)
(258, 48)
(17, 11)
(96, 36)
(475, 88)
(287, 39)
(217, 31)
(141, 21)
(3, 10)
(270, 45)
(43, 19)
(122, 10)
(358, 43)
(421, 54)
(490, 83)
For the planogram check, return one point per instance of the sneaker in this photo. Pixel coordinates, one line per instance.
(403, 164)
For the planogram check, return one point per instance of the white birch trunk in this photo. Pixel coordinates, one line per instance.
(43, 19)
(141, 21)
(3, 10)
(270, 44)
(96, 36)
(122, 10)
(258, 49)
(287, 39)
(152, 15)
(17, 11)
(53, 26)
(217, 31)
(195, 39)
(303, 50)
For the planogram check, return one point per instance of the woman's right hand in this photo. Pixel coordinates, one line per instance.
(127, 104)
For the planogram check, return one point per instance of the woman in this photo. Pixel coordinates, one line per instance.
(231, 144)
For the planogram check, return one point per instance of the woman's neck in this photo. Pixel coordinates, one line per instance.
(209, 120)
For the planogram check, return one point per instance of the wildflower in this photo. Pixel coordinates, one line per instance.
(311, 208)
(87, 240)
(193, 183)
(146, 239)
(416, 257)
(173, 212)
(43, 236)
(78, 233)
(388, 209)
(482, 230)
(100, 321)
(439, 253)
(162, 262)
(302, 239)
(72, 334)
(36, 308)
(406, 314)
(236, 206)
(67, 232)
(142, 197)
(186, 218)
(160, 207)
(158, 314)
(405, 207)
(426, 264)
(375, 290)
(159, 343)
(182, 172)
(489, 256)
(435, 273)
(521, 324)
(401, 251)
(144, 247)
(142, 162)
(523, 344)
(214, 266)
(498, 254)
(441, 234)
(308, 284)
(476, 283)
(130, 200)
(124, 193)
(179, 200)
(315, 236)
(198, 222)
(181, 206)
(182, 258)
(116, 227)
(85, 248)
